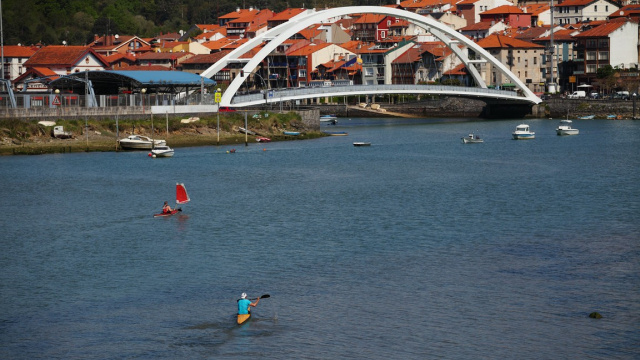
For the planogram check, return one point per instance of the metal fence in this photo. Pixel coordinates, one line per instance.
(52, 100)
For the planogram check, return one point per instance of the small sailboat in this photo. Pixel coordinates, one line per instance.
(181, 198)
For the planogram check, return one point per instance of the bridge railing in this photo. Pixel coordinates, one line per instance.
(275, 94)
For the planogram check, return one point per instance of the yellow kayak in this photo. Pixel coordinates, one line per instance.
(243, 318)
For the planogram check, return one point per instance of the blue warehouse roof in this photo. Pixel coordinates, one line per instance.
(178, 78)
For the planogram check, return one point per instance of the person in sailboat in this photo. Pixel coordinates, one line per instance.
(166, 209)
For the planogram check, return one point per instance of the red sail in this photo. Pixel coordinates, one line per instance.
(181, 194)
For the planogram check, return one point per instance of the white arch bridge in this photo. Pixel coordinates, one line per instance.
(451, 38)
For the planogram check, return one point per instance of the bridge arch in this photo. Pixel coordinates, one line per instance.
(281, 33)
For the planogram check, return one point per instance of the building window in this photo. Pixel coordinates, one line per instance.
(603, 55)
(535, 60)
(591, 55)
(591, 68)
(595, 8)
(302, 73)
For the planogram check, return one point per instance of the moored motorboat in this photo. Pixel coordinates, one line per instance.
(523, 132)
(564, 128)
(361, 143)
(587, 117)
(336, 133)
(330, 119)
(161, 151)
(139, 142)
(472, 139)
(293, 133)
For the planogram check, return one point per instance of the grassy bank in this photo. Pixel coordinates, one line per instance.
(27, 137)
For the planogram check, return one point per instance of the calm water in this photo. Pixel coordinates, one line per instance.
(416, 247)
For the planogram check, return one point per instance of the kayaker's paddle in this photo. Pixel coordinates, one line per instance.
(263, 297)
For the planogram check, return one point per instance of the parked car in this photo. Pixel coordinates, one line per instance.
(595, 95)
(226, 109)
(580, 94)
(621, 95)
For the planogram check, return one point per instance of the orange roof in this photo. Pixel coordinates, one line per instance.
(218, 44)
(145, 68)
(483, 25)
(118, 56)
(286, 14)
(370, 19)
(603, 30)
(207, 58)
(208, 27)
(504, 9)
(467, 2)
(43, 71)
(18, 51)
(629, 10)
(237, 14)
(61, 56)
(559, 35)
(494, 41)
(309, 49)
(164, 55)
(568, 3)
(536, 9)
(400, 23)
(417, 4)
(222, 31)
(311, 32)
(458, 70)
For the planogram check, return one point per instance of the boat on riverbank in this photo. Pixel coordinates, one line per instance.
(329, 119)
(59, 133)
(291, 133)
(140, 142)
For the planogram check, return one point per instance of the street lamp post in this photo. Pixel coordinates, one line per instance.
(217, 97)
(143, 91)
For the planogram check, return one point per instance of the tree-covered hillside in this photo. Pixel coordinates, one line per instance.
(51, 22)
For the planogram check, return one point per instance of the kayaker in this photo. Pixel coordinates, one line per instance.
(244, 303)
(166, 208)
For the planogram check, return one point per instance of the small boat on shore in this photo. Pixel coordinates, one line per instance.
(139, 142)
(472, 139)
(245, 131)
(161, 151)
(59, 133)
(263, 139)
(292, 133)
(564, 128)
(587, 117)
(361, 143)
(523, 132)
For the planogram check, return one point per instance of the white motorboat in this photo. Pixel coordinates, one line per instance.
(564, 128)
(139, 142)
(472, 139)
(331, 119)
(523, 133)
(361, 143)
(162, 151)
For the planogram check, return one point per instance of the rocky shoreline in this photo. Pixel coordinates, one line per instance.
(27, 137)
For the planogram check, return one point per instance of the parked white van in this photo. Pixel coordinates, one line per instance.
(580, 94)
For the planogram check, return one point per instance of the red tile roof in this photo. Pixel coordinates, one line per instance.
(494, 41)
(18, 51)
(568, 3)
(629, 10)
(370, 19)
(603, 30)
(61, 56)
(504, 9)
(207, 58)
(286, 14)
(309, 49)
